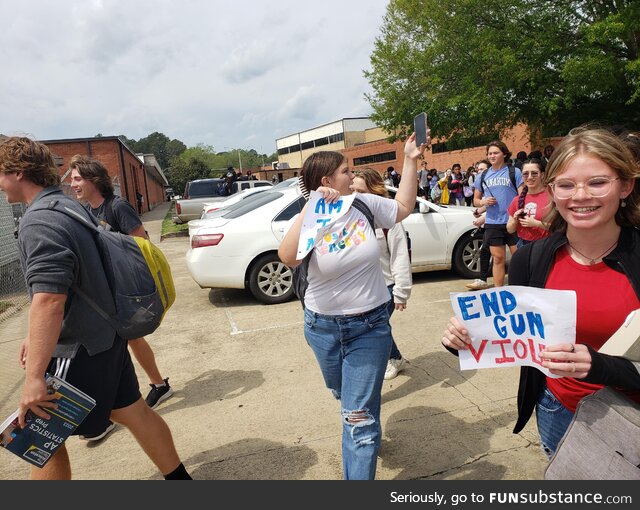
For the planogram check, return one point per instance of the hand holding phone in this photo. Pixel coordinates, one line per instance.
(420, 127)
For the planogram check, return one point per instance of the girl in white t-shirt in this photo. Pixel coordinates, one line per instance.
(345, 304)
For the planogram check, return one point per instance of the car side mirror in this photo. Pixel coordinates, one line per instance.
(424, 208)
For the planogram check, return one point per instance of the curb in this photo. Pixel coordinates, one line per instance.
(184, 233)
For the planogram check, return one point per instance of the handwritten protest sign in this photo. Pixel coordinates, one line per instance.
(509, 326)
(319, 215)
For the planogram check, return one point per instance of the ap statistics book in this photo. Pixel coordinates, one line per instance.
(38, 440)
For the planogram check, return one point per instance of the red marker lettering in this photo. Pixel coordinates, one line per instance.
(478, 354)
(505, 358)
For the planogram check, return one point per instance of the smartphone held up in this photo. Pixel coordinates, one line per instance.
(420, 127)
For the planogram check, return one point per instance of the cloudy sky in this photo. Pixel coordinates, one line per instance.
(231, 74)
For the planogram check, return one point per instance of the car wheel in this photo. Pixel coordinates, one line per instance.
(466, 257)
(271, 281)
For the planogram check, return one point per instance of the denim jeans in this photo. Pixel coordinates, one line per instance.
(553, 420)
(352, 352)
(522, 242)
(391, 306)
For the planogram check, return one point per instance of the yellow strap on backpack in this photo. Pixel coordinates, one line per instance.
(160, 270)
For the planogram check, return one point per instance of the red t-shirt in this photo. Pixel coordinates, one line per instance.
(536, 206)
(604, 299)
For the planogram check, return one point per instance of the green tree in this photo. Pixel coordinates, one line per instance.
(158, 144)
(481, 66)
(184, 169)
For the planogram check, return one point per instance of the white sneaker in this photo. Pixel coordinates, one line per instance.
(394, 366)
(478, 284)
(100, 436)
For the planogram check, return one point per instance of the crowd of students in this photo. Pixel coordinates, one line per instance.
(570, 219)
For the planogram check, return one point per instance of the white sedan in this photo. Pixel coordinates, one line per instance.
(239, 248)
(215, 209)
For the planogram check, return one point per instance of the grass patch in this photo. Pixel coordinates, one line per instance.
(5, 305)
(169, 227)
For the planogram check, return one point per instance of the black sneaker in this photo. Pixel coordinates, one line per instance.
(158, 394)
(100, 436)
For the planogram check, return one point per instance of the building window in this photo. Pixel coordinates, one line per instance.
(321, 141)
(336, 138)
(306, 145)
(374, 158)
(282, 152)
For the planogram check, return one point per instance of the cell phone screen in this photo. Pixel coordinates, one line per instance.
(420, 128)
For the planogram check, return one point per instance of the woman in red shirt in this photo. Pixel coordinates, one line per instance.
(528, 209)
(592, 250)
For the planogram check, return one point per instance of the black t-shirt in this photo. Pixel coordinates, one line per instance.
(118, 213)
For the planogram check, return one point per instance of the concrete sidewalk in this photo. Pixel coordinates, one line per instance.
(250, 402)
(153, 220)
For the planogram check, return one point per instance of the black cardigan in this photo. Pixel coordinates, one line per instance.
(530, 266)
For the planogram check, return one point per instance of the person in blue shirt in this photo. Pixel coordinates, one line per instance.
(495, 191)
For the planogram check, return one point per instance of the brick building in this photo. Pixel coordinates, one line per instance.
(365, 144)
(130, 172)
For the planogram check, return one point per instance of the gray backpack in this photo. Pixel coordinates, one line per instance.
(139, 305)
(300, 282)
(601, 442)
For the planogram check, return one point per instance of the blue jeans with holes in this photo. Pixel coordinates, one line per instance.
(352, 352)
(553, 420)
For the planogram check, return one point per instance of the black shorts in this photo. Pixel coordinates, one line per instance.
(108, 377)
(497, 235)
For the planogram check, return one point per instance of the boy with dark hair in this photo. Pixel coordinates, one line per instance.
(92, 184)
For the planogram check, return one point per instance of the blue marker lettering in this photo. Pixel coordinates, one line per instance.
(465, 303)
(500, 329)
(508, 301)
(490, 303)
(535, 322)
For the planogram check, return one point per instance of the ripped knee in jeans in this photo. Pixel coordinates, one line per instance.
(358, 418)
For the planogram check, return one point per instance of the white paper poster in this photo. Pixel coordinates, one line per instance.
(319, 215)
(509, 326)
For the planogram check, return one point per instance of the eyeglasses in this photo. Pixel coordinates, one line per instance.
(530, 174)
(596, 187)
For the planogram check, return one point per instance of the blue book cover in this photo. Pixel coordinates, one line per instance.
(38, 440)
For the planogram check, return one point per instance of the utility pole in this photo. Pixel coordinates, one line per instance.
(239, 158)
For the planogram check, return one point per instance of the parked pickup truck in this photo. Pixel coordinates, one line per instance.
(201, 191)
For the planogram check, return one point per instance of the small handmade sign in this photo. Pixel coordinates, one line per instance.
(319, 215)
(509, 326)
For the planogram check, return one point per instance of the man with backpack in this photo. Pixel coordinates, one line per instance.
(92, 184)
(67, 337)
(495, 189)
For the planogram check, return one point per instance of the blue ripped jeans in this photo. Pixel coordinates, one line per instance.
(553, 419)
(352, 352)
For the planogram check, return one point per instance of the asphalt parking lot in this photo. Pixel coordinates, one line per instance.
(250, 402)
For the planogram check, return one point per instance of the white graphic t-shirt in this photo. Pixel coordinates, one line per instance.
(344, 271)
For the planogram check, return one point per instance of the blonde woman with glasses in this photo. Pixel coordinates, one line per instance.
(593, 250)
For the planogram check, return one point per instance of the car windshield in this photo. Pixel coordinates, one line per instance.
(286, 184)
(245, 206)
(208, 188)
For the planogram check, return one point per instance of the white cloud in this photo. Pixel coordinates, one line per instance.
(223, 73)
